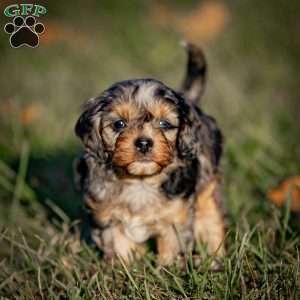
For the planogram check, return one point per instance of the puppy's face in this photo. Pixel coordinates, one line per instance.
(133, 126)
(141, 125)
(139, 128)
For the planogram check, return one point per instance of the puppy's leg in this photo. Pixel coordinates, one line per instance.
(173, 230)
(117, 243)
(168, 246)
(209, 222)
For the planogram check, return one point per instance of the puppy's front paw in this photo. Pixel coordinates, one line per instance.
(166, 258)
(118, 244)
(168, 247)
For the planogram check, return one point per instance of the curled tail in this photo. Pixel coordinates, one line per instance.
(195, 78)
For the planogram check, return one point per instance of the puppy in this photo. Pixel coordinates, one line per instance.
(150, 167)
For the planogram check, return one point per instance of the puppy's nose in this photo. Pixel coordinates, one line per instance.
(143, 144)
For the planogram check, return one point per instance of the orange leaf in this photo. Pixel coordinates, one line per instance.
(30, 113)
(53, 33)
(205, 22)
(60, 32)
(288, 188)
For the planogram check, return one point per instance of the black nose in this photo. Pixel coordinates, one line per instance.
(143, 144)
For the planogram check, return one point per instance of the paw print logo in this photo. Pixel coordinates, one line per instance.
(24, 31)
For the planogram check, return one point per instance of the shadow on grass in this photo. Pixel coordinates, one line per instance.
(51, 177)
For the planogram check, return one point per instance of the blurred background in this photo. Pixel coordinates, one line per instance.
(253, 90)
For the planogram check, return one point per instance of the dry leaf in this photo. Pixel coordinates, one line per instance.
(30, 113)
(202, 25)
(53, 33)
(288, 188)
(60, 32)
(205, 22)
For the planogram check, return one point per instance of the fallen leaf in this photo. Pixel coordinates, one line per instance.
(30, 113)
(54, 32)
(288, 188)
(205, 22)
(201, 25)
(61, 32)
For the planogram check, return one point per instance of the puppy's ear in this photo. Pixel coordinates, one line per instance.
(199, 138)
(88, 127)
(199, 146)
(80, 171)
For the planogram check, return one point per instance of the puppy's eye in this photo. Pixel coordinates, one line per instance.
(164, 124)
(118, 125)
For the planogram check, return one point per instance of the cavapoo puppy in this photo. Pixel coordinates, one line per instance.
(150, 167)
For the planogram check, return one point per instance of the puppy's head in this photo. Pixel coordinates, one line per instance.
(134, 125)
(140, 126)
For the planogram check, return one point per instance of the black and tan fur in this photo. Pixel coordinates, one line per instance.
(158, 175)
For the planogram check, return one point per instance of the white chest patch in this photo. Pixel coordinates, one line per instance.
(139, 196)
(142, 199)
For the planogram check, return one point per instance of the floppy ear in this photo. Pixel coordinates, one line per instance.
(80, 171)
(88, 128)
(199, 138)
(199, 146)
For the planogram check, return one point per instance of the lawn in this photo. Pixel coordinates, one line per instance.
(253, 90)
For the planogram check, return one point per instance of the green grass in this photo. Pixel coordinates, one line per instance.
(253, 92)
(262, 261)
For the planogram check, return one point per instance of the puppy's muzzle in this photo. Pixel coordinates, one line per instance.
(143, 145)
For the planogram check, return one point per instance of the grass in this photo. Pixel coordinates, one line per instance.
(252, 91)
(50, 264)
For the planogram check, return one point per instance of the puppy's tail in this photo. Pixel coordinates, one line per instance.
(195, 78)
